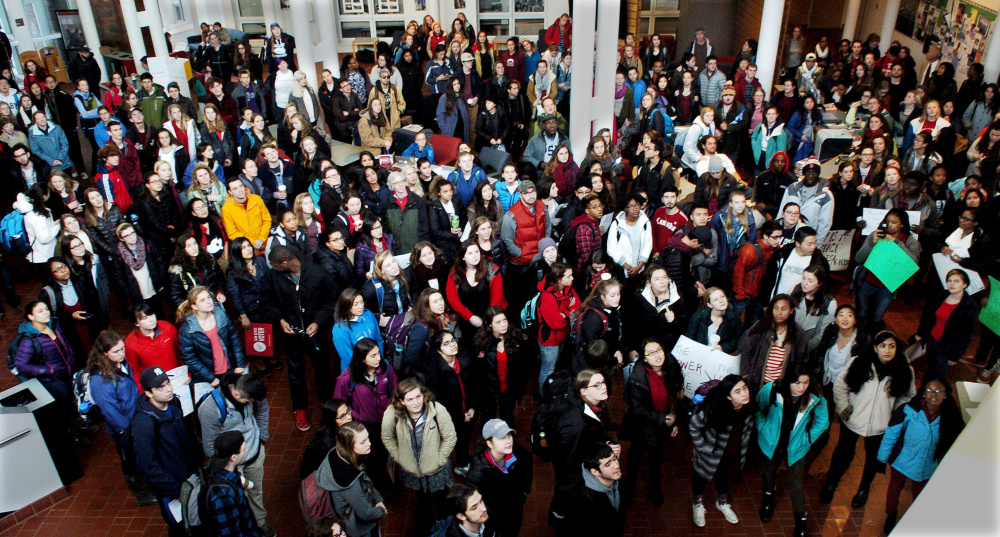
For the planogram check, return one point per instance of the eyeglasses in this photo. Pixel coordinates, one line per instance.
(344, 415)
(450, 342)
(59, 268)
(155, 180)
(127, 234)
(600, 384)
(631, 206)
(384, 77)
(655, 352)
(966, 218)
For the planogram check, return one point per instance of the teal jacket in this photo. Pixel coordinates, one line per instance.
(809, 424)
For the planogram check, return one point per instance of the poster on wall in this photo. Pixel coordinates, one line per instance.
(353, 7)
(71, 29)
(420, 5)
(387, 6)
(960, 27)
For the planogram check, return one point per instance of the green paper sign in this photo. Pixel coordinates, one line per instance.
(890, 264)
(990, 315)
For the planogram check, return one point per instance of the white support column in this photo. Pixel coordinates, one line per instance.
(155, 22)
(433, 9)
(767, 43)
(851, 11)
(303, 39)
(133, 29)
(889, 22)
(582, 78)
(90, 34)
(272, 13)
(326, 48)
(471, 14)
(991, 57)
(603, 104)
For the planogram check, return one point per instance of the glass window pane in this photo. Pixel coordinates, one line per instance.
(665, 25)
(353, 7)
(498, 28)
(350, 30)
(251, 8)
(254, 28)
(529, 6)
(528, 27)
(494, 6)
(643, 26)
(644, 5)
(388, 28)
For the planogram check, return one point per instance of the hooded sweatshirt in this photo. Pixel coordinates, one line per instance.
(592, 483)
(352, 494)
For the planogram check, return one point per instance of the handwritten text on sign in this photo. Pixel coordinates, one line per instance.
(699, 364)
(837, 249)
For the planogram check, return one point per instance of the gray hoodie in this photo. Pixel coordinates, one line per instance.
(352, 494)
(595, 485)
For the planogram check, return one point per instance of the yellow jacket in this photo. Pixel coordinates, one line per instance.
(252, 221)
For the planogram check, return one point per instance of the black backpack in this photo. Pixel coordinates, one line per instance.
(567, 246)
(556, 394)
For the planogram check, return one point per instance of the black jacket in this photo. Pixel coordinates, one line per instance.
(225, 149)
(337, 266)
(388, 305)
(591, 512)
(729, 331)
(702, 195)
(515, 111)
(80, 68)
(772, 274)
(653, 180)
(18, 184)
(159, 219)
(126, 280)
(490, 126)
(444, 382)
(63, 110)
(353, 107)
(165, 450)
(246, 295)
(103, 232)
(517, 371)
(504, 492)
(592, 327)
(577, 432)
(311, 301)
(958, 328)
(183, 280)
(643, 322)
(642, 423)
(440, 227)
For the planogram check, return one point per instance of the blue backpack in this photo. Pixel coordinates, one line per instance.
(13, 238)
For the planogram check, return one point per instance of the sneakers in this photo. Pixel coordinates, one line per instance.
(462, 470)
(301, 421)
(699, 514)
(727, 511)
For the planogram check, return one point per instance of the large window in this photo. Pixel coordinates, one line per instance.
(376, 18)
(498, 17)
(658, 16)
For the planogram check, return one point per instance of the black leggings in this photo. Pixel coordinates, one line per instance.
(843, 454)
(721, 477)
(634, 461)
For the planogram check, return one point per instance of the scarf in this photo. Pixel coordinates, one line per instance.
(658, 391)
(135, 260)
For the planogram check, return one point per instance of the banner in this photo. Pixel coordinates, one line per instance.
(699, 364)
(259, 340)
(837, 249)
(890, 264)
(944, 264)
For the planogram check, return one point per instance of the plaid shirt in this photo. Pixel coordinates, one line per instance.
(588, 239)
(227, 507)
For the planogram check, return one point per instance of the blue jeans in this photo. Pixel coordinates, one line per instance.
(752, 308)
(550, 355)
(873, 301)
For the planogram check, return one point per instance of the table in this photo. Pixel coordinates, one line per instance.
(362, 42)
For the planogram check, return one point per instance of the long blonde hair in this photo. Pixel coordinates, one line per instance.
(380, 276)
(187, 307)
(300, 215)
(744, 218)
(184, 117)
(219, 125)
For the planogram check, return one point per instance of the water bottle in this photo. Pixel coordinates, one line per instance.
(454, 220)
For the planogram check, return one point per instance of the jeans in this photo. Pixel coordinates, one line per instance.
(873, 301)
(843, 454)
(254, 472)
(550, 355)
(752, 308)
(316, 347)
(795, 472)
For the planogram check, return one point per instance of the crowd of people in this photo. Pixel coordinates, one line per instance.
(423, 301)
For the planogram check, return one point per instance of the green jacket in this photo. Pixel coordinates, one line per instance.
(409, 224)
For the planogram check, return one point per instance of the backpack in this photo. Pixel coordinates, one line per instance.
(356, 134)
(529, 313)
(555, 396)
(577, 333)
(567, 246)
(90, 413)
(396, 334)
(668, 126)
(440, 528)
(193, 498)
(13, 237)
(703, 390)
(314, 501)
(216, 396)
(12, 353)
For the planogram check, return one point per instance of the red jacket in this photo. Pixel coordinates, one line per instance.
(552, 35)
(111, 180)
(530, 230)
(747, 273)
(160, 350)
(741, 87)
(496, 293)
(553, 310)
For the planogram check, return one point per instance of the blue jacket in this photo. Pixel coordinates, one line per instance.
(638, 90)
(415, 152)
(347, 333)
(101, 134)
(435, 70)
(218, 171)
(809, 424)
(245, 297)
(728, 247)
(466, 188)
(116, 397)
(504, 196)
(196, 349)
(448, 123)
(530, 64)
(919, 437)
(50, 145)
(165, 452)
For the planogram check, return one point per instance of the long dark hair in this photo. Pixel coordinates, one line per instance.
(461, 266)
(345, 303)
(37, 195)
(816, 308)
(719, 411)
(494, 211)
(949, 414)
(904, 218)
(357, 367)
(898, 369)
(484, 337)
(330, 409)
(766, 321)
(451, 100)
(88, 258)
(791, 376)
(237, 265)
(201, 262)
(673, 379)
(98, 362)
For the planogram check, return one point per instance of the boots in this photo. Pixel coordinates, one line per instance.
(861, 498)
(890, 522)
(766, 507)
(800, 525)
(138, 487)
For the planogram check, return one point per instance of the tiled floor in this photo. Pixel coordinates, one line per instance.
(100, 504)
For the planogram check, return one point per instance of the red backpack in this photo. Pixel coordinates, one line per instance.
(314, 501)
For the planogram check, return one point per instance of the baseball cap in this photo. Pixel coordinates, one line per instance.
(811, 56)
(524, 186)
(466, 57)
(496, 428)
(153, 377)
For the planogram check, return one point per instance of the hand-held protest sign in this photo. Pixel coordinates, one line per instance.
(700, 364)
(944, 264)
(259, 340)
(990, 315)
(890, 264)
(837, 249)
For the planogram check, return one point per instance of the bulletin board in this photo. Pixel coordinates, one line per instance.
(961, 28)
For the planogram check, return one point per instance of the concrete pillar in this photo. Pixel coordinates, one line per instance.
(303, 39)
(767, 43)
(134, 29)
(272, 13)
(603, 105)
(155, 22)
(851, 12)
(93, 39)
(991, 57)
(582, 79)
(433, 9)
(889, 22)
(326, 49)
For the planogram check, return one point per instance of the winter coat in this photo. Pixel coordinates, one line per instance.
(872, 403)
(193, 137)
(165, 450)
(809, 424)
(590, 506)
(408, 224)
(817, 211)
(777, 142)
(159, 219)
(554, 311)
(338, 266)
(729, 245)
(755, 345)
(909, 245)
(196, 348)
(710, 445)
(814, 325)
(51, 145)
(438, 442)
(41, 231)
(773, 272)
(368, 401)
(592, 327)
(917, 440)
(54, 362)
(958, 328)
(505, 492)
(644, 320)
(485, 367)
(347, 333)
(577, 430)
(729, 331)
(144, 351)
(642, 423)
(246, 297)
(182, 280)
(727, 185)
(535, 151)
(125, 280)
(352, 493)
(769, 186)
(465, 188)
(364, 256)
(116, 397)
(224, 146)
(373, 137)
(298, 243)
(252, 222)
(457, 392)
(619, 244)
(489, 126)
